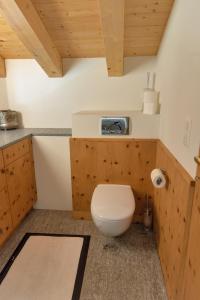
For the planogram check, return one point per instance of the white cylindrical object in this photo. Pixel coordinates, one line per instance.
(150, 102)
(150, 96)
(150, 108)
(158, 178)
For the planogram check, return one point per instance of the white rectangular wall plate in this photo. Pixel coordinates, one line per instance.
(114, 125)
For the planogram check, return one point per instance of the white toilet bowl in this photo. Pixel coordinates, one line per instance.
(112, 208)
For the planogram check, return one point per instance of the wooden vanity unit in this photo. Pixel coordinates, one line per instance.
(17, 185)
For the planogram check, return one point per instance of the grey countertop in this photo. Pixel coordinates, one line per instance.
(10, 137)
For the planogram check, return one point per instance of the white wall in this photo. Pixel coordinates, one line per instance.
(3, 94)
(49, 102)
(53, 172)
(179, 81)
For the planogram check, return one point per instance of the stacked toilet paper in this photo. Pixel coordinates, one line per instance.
(150, 101)
(158, 178)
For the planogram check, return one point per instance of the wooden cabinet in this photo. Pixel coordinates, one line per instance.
(16, 151)
(21, 187)
(6, 226)
(18, 185)
(5, 213)
(2, 172)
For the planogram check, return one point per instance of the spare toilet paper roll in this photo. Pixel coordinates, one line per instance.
(158, 178)
(150, 102)
(150, 108)
(150, 96)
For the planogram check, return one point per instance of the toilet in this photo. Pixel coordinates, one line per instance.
(112, 208)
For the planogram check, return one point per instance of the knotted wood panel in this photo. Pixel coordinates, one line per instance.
(172, 216)
(112, 161)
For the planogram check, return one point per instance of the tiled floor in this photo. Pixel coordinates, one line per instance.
(124, 268)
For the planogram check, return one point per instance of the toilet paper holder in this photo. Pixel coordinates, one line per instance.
(166, 177)
(157, 182)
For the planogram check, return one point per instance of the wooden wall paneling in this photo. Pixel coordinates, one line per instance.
(25, 21)
(192, 267)
(118, 161)
(84, 173)
(112, 20)
(172, 215)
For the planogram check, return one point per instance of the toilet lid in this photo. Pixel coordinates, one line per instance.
(113, 201)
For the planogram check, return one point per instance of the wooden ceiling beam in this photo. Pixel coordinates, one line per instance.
(25, 21)
(112, 19)
(2, 68)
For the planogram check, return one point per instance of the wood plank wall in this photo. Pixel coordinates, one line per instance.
(172, 216)
(192, 270)
(119, 161)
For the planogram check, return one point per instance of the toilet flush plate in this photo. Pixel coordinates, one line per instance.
(115, 125)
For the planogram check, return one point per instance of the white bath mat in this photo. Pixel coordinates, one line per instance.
(45, 267)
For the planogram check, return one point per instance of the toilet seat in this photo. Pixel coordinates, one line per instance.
(112, 202)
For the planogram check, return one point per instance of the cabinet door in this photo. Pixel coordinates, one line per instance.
(21, 187)
(5, 217)
(15, 151)
(2, 173)
(29, 186)
(4, 202)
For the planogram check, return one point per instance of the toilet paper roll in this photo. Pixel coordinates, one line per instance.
(150, 96)
(150, 108)
(158, 178)
(150, 102)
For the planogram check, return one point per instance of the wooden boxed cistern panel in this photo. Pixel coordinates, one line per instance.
(118, 161)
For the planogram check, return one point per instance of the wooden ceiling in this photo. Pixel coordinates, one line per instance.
(83, 28)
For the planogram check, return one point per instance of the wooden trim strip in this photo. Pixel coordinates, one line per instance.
(110, 139)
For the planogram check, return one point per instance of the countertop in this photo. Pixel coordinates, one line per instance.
(10, 137)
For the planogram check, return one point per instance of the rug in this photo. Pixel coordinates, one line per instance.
(45, 267)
